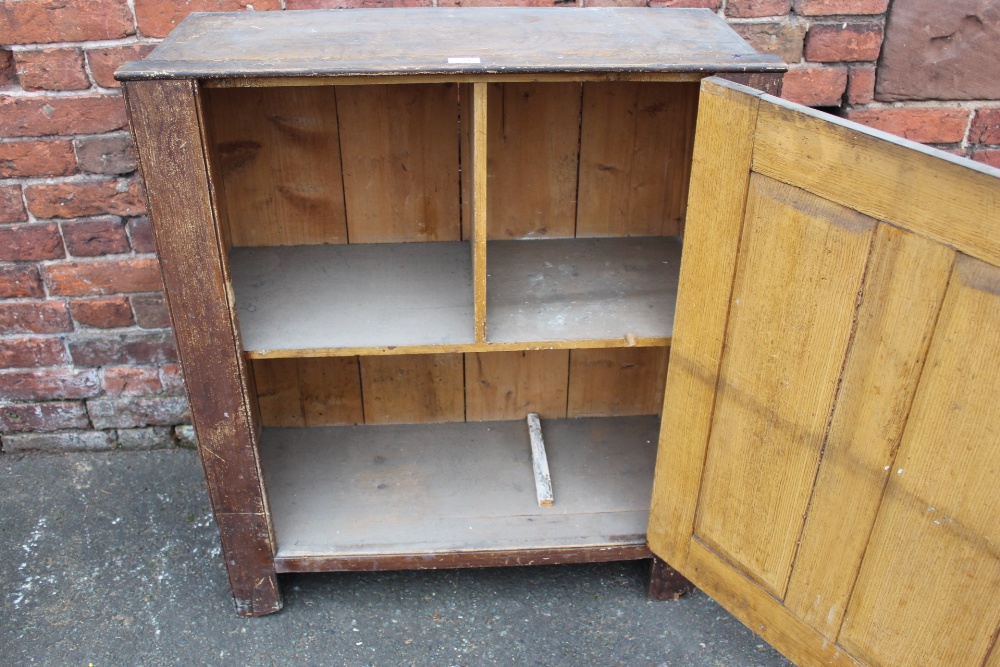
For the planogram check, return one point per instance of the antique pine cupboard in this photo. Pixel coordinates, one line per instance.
(387, 236)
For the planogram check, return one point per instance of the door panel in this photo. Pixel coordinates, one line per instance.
(823, 264)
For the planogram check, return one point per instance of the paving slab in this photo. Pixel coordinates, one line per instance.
(113, 559)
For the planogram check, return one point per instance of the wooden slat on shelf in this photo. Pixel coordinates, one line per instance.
(635, 158)
(437, 488)
(579, 289)
(400, 162)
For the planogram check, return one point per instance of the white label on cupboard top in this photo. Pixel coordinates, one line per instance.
(463, 61)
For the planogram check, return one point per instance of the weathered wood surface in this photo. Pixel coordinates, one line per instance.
(540, 462)
(453, 41)
(827, 465)
(167, 129)
(666, 583)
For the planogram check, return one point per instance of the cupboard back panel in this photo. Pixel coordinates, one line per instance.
(488, 386)
(338, 164)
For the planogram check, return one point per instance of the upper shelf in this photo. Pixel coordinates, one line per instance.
(476, 41)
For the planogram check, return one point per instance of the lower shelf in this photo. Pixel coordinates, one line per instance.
(458, 494)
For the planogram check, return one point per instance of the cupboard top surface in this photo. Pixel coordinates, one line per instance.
(481, 40)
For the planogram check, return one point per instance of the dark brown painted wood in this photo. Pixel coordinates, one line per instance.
(768, 82)
(666, 583)
(168, 132)
(437, 561)
(479, 40)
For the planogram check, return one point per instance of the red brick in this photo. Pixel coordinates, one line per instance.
(123, 349)
(745, 9)
(151, 311)
(826, 43)
(25, 243)
(926, 125)
(11, 204)
(38, 317)
(104, 62)
(51, 69)
(136, 412)
(108, 313)
(8, 75)
(815, 86)
(707, 4)
(31, 352)
(990, 156)
(112, 154)
(90, 238)
(349, 4)
(172, 379)
(43, 417)
(20, 281)
(141, 235)
(113, 276)
(49, 384)
(782, 39)
(40, 116)
(78, 199)
(46, 21)
(985, 126)
(861, 84)
(156, 18)
(36, 158)
(830, 7)
(132, 380)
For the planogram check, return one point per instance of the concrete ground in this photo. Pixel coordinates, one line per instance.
(113, 559)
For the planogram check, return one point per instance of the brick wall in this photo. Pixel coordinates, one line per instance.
(87, 359)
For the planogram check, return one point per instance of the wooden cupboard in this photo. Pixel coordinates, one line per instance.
(387, 236)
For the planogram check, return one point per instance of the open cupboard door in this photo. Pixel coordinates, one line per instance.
(829, 462)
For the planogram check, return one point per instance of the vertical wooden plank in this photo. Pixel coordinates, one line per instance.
(413, 388)
(901, 297)
(801, 264)
(465, 156)
(616, 382)
(166, 126)
(927, 591)
(279, 153)
(278, 395)
(534, 150)
(508, 385)
(635, 158)
(330, 390)
(400, 162)
(478, 206)
(720, 177)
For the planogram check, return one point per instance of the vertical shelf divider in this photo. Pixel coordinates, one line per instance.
(477, 129)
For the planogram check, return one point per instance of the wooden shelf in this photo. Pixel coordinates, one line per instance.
(353, 296)
(582, 289)
(350, 493)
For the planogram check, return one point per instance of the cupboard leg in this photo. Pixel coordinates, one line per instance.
(666, 583)
(246, 547)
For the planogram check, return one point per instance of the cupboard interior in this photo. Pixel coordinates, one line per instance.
(346, 212)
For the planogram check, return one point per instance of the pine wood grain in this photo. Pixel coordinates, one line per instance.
(533, 150)
(410, 389)
(400, 162)
(635, 158)
(330, 391)
(801, 263)
(933, 562)
(279, 151)
(509, 385)
(902, 294)
(478, 204)
(278, 395)
(616, 382)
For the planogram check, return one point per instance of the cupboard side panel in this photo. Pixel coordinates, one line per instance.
(400, 153)
(720, 178)
(279, 154)
(616, 382)
(165, 123)
(635, 158)
(927, 591)
(533, 152)
(901, 297)
(509, 385)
